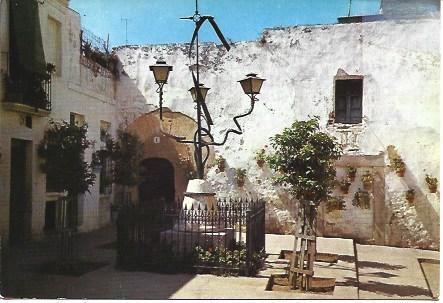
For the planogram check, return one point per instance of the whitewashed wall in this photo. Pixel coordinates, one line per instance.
(400, 63)
(76, 90)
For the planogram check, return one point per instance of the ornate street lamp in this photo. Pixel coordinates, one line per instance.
(203, 138)
(161, 72)
(203, 91)
(252, 85)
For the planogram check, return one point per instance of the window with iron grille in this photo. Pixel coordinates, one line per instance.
(348, 101)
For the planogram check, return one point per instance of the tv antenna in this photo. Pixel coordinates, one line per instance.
(126, 28)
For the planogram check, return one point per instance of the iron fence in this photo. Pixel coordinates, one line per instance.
(229, 237)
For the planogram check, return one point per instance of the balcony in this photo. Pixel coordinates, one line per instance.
(31, 95)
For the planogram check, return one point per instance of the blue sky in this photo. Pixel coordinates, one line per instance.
(157, 21)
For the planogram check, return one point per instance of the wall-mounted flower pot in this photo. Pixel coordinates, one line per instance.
(432, 188)
(240, 182)
(260, 163)
(367, 185)
(400, 172)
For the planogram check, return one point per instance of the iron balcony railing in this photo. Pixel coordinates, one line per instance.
(32, 91)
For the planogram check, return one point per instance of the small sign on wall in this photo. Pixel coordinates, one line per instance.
(156, 140)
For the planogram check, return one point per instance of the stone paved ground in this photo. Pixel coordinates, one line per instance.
(383, 272)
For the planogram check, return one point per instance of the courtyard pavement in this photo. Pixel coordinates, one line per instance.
(381, 273)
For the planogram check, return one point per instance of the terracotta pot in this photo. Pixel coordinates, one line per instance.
(260, 163)
(344, 189)
(400, 172)
(410, 199)
(367, 185)
(432, 188)
(351, 176)
(240, 182)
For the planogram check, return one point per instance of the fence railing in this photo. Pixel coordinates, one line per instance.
(229, 237)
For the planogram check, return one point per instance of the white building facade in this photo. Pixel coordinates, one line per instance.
(80, 92)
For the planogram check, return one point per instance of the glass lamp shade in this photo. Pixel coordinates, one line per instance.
(251, 84)
(161, 71)
(203, 89)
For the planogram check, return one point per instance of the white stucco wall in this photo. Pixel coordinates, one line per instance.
(400, 63)
(76, 90)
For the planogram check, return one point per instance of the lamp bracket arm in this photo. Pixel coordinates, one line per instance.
(237, 131)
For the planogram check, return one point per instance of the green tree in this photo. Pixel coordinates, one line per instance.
(62, 148)
(304, 158)
(126, 153)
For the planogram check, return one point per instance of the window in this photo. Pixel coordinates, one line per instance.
(348, 101)
(105, 184)
(53, 50)
(76, 119)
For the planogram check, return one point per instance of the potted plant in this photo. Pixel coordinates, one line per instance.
(96, 162)
(362, 199)
(351, 172)
(399, 166)
(432, 183)
(50, 68)
(344, 185)
(221, 163)
(260, 157)
(367, 179)
(410, 195)
(335, 203)
(240, 174)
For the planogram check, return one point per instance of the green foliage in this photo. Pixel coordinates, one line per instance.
(62, 149)
(126, 153)
(335, 203)
(228, 259)
(304, 157)
(260, 155)
(431, 181)
(362, 199)
(240, 173)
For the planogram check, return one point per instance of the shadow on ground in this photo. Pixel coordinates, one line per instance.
(27, 274)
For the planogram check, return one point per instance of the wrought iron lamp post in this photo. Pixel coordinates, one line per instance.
(203, 138)
(161, 72)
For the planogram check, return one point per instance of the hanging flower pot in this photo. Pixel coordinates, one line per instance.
(344, 185)
(335, 203)
(399, 166)
(432, 183)
(367, 179)
(260, 158)
(362, 199)
(410, 196)
(351, 172)
(240, 175)
(221, 163)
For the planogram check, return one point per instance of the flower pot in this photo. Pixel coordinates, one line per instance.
(432, 188)
(260, 163)
(367, 185)
(351, 176)
(400, 172)
(240, 182)
(344, 189)
(410, 199)
(221, 167)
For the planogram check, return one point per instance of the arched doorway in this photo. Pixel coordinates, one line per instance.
(156, 188)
